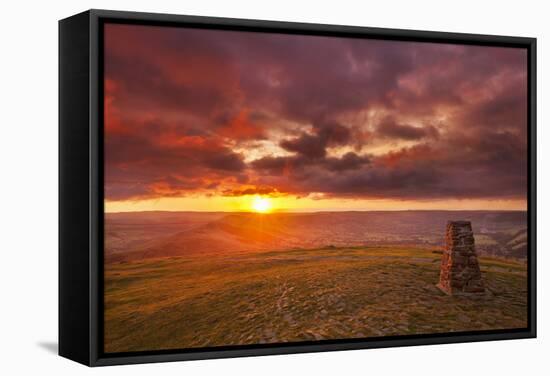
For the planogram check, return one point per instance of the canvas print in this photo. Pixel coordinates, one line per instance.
(270, 188)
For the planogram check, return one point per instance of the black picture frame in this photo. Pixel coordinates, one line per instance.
(81, 186)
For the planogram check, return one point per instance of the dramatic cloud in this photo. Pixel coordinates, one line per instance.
(392, 129)
(206, 112)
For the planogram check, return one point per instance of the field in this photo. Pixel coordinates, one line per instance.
(272, 295)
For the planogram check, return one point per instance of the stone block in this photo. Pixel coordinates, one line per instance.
(459, 271)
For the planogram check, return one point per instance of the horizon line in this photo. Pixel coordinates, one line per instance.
(316, 212)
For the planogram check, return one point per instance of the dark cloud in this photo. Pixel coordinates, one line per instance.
(264, 191)
(224, 160)
(392, 129)
(274, 165)
(349, 161)
(314, 146)
(138, 165)
(295, 165)
(306, 145)
(186, 111)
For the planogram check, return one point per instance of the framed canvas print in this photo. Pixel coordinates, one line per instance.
(240, 187)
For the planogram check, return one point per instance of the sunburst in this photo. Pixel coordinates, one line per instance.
(261, 204)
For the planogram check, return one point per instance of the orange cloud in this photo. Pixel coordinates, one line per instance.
(241, 128)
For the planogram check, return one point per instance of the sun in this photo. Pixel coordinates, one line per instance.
(261, 204)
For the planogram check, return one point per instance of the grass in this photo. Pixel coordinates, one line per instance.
(299, 295)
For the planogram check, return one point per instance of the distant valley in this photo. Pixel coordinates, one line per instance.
(132, 236)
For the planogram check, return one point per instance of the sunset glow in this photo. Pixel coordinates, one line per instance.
(207, 120)
(261, 205)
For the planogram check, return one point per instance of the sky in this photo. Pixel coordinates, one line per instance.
(210, 120)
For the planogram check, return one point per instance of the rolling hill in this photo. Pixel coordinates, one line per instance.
(131, 236)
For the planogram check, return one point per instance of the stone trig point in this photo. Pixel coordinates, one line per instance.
(460, 272)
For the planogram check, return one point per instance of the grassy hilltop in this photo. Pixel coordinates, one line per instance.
(298, 295)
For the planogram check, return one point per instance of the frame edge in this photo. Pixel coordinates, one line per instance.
(74, 249)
